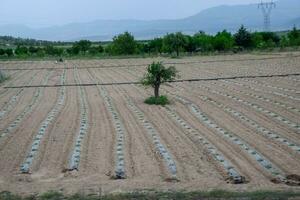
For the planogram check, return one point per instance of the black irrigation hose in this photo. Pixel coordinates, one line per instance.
(167, 63)
(175, 81)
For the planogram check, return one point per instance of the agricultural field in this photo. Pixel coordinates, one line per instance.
(82, 125)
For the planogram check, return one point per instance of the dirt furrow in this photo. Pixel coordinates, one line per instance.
(10, 104)
(260, 129)
(283, 110)
(25, 167)
(97, 155)
(55, 148)
(121, 132)
(188, 160)
(11, 82)
(17, 120)
(284, 121)
(264, 162)
(262, 98)
(281, 94)
(150, 163)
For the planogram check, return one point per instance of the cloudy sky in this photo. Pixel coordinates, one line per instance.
(37, 13)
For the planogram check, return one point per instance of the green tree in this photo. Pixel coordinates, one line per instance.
(203, 42)
(174, 42)
(74, 50)
(9, 52)
(123, 44)
(21, 51)
(190, 45)
(284, 42)
(157, 74)
(83, 45)
(294, 37)
(32, 50)
(2, 52)
(243, 38)
(53, 51)
(156, 45)
(96, 50)
(223, 41)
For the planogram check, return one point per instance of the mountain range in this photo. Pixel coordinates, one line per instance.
(284, 17)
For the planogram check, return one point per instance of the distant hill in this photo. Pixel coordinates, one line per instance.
(284, 16)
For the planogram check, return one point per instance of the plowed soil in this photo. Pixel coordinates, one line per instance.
(145, 167)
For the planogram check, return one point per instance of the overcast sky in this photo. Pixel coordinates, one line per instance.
(37, 13)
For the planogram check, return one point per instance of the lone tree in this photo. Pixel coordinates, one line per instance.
(157, 74)
(243, 38)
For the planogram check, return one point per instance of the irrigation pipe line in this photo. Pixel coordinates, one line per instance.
(174, 81)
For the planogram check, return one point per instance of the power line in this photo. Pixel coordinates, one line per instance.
(266, 8)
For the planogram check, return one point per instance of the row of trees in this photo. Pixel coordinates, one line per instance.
(125, 44)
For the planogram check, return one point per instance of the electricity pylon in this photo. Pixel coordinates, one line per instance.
(266, 8)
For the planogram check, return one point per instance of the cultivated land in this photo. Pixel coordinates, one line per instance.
(69, 132)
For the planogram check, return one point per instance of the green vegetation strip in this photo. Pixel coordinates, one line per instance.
(75, 156)
(161, 195)
(291, 108)
(25, 167)
(29, 108)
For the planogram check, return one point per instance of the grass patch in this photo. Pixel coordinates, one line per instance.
(3, 77)
(161, 100)
(155, 195)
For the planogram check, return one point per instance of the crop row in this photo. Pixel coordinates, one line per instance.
(259, 109)
(11, 83)
(75, 156)
(293, 79)
(232, 173)
(291, 108)
(273, 87)
(120, 130)
(152, 132)
(25, 167)
(29, 108)
(13, 100)
(231, 137)
(259, 128)
(271, 92)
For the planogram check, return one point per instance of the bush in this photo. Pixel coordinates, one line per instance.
(161, 100)
(123, 44)
(3, 77)
(51, 195)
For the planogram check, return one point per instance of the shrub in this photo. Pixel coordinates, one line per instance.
(3, 77)
(161, 100)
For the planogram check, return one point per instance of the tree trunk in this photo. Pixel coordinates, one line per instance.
(177, 52)
(156, 90)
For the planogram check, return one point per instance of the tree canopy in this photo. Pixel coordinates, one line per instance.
(243, 38)
(157, 74)
(124, 44)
